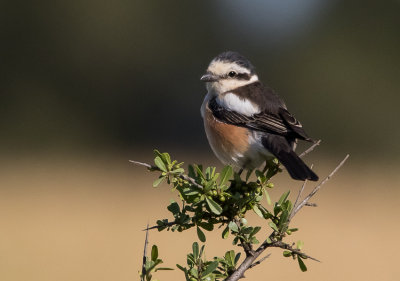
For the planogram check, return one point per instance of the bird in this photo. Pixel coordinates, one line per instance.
(246, 122)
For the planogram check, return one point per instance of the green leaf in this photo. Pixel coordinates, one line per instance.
(230, 257)
(166, 158)
(195, 248)
(206, 225)
(154, 253)
(201, 251)
(226, 174)
(174, 208)
(178, 171)
(273, 226)
(189, 192)
(237, 258)
(201, 235)
(254, 240)
(181, 267)
(193, 271)
(300, 244)
(210, 268)
(158, 181)
(283, 197)
(191, 172)
(248, 174)
(255, 230)
(287, 253)
(199, 171)
(283, 219)
(233, 226)
(160, 164)
(214, 206)
(163, 268)
(303, 267)
(267, 197)
(257, 211)
(246, 230)
(225, 233)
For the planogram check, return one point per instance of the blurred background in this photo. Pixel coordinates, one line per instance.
(87, 85)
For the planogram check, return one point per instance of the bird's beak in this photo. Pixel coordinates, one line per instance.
(209, 78)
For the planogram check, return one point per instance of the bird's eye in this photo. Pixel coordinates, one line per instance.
(232, 74)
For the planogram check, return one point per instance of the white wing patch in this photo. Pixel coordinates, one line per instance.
(234, 103)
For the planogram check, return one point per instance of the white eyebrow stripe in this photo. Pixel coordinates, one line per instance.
(221, 67)
(243, 106)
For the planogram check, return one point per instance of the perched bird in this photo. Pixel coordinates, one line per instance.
(246, 122)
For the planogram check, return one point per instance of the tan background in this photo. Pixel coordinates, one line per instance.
(81, 219)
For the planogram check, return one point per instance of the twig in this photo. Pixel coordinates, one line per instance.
(318, 187)
(146, 242)
(311, 204)
(311, 148)
(298, 198)
(259, 261)
(182, 176)
(286, 246)
(168, 224)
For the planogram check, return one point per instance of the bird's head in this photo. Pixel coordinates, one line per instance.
(228, 71)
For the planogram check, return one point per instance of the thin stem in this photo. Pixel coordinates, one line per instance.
(318, 187)
(311, 148)
(182, 176)
(259, 261)
(146, 242)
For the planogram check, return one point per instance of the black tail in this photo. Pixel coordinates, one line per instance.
(297, 169)
(282, 149)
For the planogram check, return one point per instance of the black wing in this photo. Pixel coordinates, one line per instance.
(282, 123)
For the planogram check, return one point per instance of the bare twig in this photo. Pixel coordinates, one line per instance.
(298, 198)
(143, 164)
(182, 176)
(259, 261)
(146, 242)
(318, 187)
(311, 148)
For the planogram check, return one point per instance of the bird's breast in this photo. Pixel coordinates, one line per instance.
(229, 142)
(232, 144)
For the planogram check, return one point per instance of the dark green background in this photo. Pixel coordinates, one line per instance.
(80, 75)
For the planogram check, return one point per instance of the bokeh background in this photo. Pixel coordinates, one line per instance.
(87, 85)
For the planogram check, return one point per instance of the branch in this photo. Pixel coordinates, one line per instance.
(259, 261)
(247, 247)
(182, 176)
(168, 224)
(318, 187)
(311, 148)
(146, 242)
(249, 260)
(282, 245)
